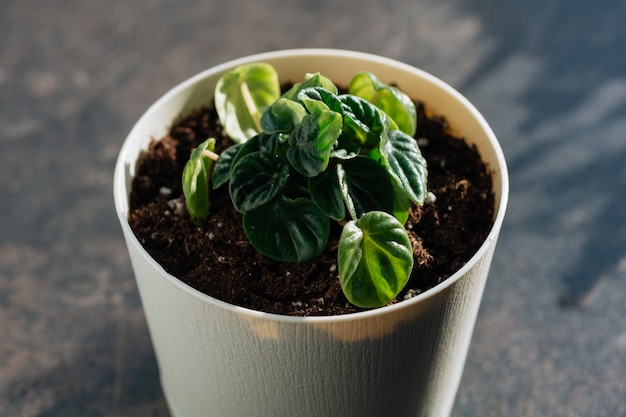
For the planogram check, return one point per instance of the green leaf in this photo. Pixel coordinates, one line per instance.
(241, 97)
(401, 204)
(262, 142)
(406, 164)
(311, 143)
(318, 99)
(287, 230)
(389, 99)
(311, 80)
(375, 259)
(349, 151)
(362, 120)
(283, 116)
(196, 181)
(221, 170)
(256, 179)
(326, 193)
(365, 186)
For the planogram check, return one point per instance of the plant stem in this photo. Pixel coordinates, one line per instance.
(375, 98)
(210, 154)
(252, 108)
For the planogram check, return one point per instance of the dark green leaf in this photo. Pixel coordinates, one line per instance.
(287, 230)
(256, 179)
(326, 193)
(362, 120)
(311, 143)
(196, 181)
(221, 171)
(365, 186)
(374, 259)
(406, 164)
(262, 142)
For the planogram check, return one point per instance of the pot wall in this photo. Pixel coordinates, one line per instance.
(220, 360)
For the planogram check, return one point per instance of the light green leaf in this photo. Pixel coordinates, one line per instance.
(311, 80)
(241, 97)
(196, 181)
(389, 99)
(256, 179)
(349, 151)
(287, 230)
(375, 259)
(283, 116)
(401, 204)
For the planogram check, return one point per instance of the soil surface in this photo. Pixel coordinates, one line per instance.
(218, 260)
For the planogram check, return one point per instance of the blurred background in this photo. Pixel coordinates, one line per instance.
(549, 76)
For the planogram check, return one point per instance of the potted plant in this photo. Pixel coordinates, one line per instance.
(402, 359)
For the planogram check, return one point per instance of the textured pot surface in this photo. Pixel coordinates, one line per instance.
(220, 360)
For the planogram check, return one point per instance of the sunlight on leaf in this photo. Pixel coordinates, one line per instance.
(196, 181)
(283, 116)
(406, 164)
(374, 258)
(311, 80)
(389, 99)
(241, 97)
(311, 143)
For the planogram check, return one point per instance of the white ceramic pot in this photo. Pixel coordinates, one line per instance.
(216, 359)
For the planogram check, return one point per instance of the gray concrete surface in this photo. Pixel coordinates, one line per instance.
(550, 76)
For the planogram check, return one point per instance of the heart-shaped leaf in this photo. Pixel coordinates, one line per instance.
(241, 97)
(374, 259)
(311, 143)
(287, 230)
(196, 181)
(256, 179)
(406, 164)
(389, 99)
(365, 186)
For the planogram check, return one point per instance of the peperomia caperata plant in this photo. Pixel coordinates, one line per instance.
(312, 156)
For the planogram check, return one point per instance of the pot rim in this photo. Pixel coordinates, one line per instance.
(501, 168)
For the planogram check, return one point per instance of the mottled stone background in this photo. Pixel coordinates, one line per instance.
(550, 76)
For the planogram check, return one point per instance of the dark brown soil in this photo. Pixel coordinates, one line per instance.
(217, 259)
